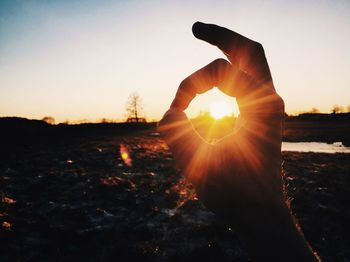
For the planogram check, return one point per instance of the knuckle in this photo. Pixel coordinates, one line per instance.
(279, 102)
(185, 82)
(221, 62)
(258, 47)
(186, 87)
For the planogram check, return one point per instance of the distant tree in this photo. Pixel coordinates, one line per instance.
(348, 108)
(314, 110)
(49, 119)
(204, 114)
(337, 109)
(134, 108)
(82, 121)
(106, 120)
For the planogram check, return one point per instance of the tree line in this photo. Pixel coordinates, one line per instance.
(135, 112)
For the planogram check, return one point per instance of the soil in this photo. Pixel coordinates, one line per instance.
(121, 198)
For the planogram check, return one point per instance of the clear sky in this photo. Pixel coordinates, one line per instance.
(81, 59)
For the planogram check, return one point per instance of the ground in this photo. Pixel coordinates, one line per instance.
(80, 201)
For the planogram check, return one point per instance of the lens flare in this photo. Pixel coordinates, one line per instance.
(124, 153)
(125, 156)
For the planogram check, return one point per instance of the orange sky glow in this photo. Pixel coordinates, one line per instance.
(77, 60)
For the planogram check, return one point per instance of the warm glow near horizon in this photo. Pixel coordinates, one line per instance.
(76, 60)
(219, 109)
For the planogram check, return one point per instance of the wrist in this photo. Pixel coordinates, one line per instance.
(274, 235)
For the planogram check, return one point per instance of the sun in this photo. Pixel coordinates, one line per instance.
(220, 109)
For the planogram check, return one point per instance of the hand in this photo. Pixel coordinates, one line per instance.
(239, 177)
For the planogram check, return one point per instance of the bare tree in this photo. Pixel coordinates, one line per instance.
(134, 108)
(49, 119)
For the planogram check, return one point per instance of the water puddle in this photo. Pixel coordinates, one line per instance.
(316, 147)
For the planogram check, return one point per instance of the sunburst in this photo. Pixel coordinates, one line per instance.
(220, 109)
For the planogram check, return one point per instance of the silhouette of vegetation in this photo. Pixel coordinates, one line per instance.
(305, 127)
(18, 131)
(212, 129)
(337, 109)
(134, 109)
(106, 120)
(318, 127)
(314, 110)
(49, 119)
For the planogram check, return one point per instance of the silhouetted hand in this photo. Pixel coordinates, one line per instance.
(239, 178)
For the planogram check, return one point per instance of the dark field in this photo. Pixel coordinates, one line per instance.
(77, 200)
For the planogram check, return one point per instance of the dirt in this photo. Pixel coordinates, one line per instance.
(121, 198)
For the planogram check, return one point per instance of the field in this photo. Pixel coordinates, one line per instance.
(75, 199)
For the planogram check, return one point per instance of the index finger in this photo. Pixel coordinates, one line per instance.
(249, 54)
(225, 39)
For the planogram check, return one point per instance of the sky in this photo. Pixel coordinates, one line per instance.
(76, 60)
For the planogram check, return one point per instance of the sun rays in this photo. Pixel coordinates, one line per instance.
(220, 109)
